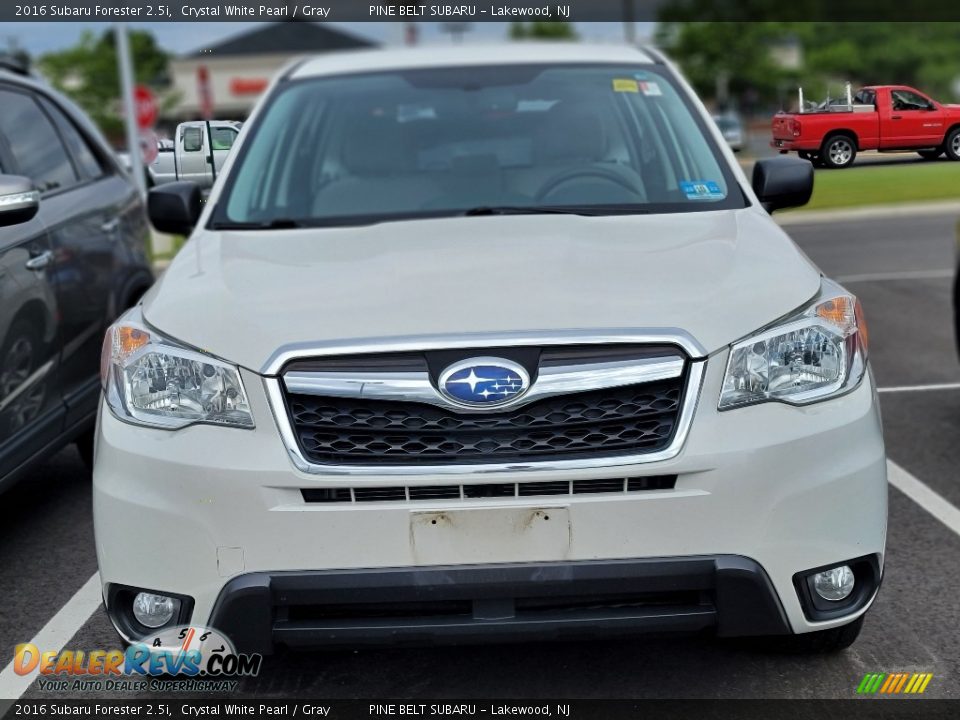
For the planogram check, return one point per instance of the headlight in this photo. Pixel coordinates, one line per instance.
(819, 352)
(150, 380)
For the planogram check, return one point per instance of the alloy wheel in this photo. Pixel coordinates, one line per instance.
(841, 152)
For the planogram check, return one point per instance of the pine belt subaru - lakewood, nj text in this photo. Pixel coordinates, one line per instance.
(473, 343)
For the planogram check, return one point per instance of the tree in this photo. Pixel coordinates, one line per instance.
(713, 39)
(730, 54)
(89, 74)
(542, 31)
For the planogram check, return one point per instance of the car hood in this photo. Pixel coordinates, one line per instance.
(243, 295)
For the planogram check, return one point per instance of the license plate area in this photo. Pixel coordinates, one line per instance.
(490, 535)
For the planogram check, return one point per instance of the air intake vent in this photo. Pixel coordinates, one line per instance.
(476, 491)
(560, 487)
(326, 495)
(600, 486)
(386, 494)
(434, 492)
(490, 491)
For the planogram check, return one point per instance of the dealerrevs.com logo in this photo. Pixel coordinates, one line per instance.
(186, 658)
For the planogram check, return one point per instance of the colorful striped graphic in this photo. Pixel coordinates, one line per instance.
(894, 683)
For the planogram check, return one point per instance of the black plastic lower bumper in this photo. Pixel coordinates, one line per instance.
(728, 594)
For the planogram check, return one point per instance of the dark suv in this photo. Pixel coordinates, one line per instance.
(73, 256)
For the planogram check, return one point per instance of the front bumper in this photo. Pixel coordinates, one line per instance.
(204, 510)
(793, 145)
(451, 603)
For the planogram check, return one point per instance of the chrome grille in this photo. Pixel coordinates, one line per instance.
(591, 403)
(631, 419)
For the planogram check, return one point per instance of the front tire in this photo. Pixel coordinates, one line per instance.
(838, 151)
(819, 642)
(84, 445)
(952, 144)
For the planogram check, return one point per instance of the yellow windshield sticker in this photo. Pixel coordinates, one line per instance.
(625, 85)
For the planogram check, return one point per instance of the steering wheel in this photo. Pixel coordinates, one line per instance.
(601, 173)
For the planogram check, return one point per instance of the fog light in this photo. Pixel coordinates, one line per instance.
(834, 584)
(154, 611)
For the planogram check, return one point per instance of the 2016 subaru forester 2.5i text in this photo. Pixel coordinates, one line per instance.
(479, 343)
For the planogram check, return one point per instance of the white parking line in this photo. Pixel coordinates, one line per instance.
(920, 388)
(55, 634)
(898, 275)
(930, 500)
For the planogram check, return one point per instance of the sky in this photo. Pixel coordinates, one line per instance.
(179, 38)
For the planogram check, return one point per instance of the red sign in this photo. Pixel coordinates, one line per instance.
(248, 86)
(204, 92)
(146, 107)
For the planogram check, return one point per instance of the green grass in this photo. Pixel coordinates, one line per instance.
(178, 241)
(864, 184)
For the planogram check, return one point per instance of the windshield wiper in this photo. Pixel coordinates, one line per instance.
(480, 210)
(529, 210)
(275, 224)
(584, 210)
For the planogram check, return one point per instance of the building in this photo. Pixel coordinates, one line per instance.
(240, 68)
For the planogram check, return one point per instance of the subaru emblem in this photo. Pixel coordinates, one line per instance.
(484, 382)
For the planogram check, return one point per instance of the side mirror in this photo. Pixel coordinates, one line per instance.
(19, 200)
(782, 182)
(175, 207)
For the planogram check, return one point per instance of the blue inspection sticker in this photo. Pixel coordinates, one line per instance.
(701, 190)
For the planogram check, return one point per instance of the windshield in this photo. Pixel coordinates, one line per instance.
(591, 139)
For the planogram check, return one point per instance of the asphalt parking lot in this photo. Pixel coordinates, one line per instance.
(900, 267)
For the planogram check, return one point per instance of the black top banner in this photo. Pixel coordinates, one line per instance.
(484, 11)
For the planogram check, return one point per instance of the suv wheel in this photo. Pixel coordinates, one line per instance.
(838, 151)
(952, 145)
(18, 360)
(84, 445)
(818, 642)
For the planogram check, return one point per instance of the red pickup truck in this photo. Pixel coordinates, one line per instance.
(879, 117)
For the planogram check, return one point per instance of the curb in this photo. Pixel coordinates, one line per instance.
(869, 212)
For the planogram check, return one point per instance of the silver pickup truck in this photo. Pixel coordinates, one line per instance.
(188, 156)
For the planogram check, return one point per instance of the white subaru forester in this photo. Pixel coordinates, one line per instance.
(488, 343)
